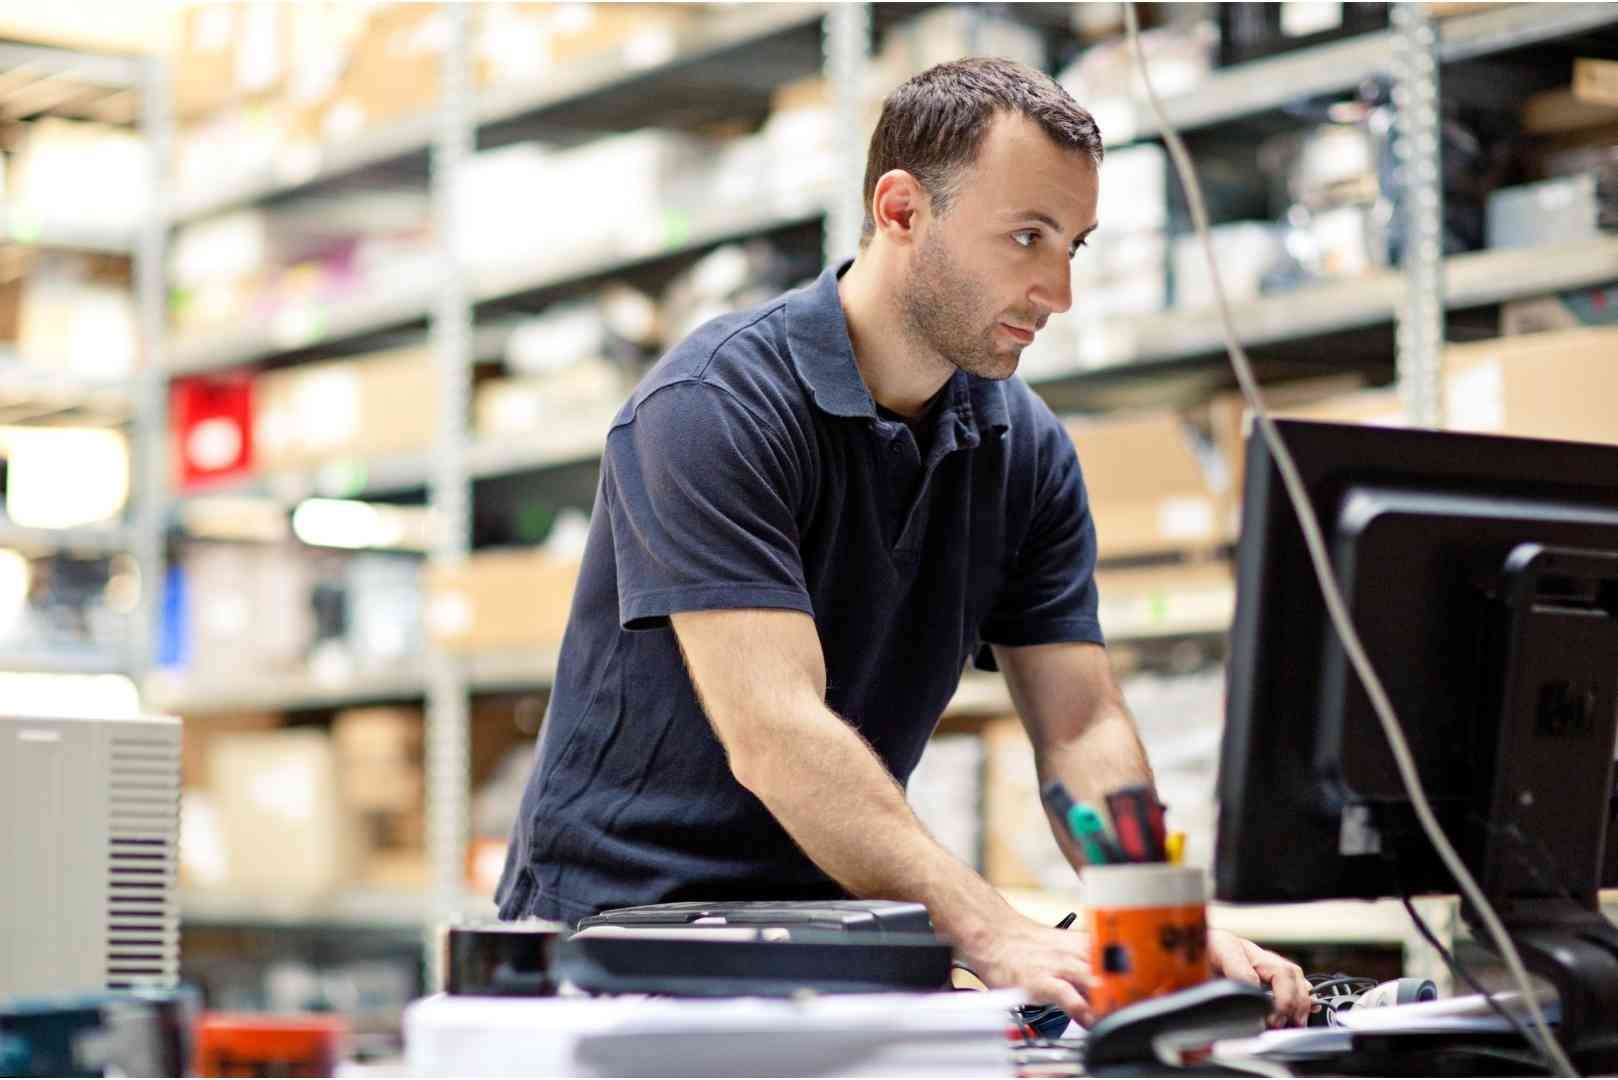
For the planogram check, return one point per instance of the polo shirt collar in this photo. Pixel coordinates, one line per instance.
(817, 336)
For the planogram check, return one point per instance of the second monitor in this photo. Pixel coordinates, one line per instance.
(1482, 575)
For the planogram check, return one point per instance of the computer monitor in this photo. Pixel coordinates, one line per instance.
(1482, 575)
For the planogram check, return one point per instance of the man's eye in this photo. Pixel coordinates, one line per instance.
(1025, 238)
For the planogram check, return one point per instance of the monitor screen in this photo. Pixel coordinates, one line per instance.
(1420, 527)
(1481, 573)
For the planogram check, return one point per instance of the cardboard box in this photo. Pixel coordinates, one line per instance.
(1549, 386)
(500, 600)
(1595, 81)
(199, 733)
(204, 62)
(379, 752)
(1554, 385)
(638, 35)
(10, 308)
(1559, 111)
(810, 92)
(394, 69)
(1149, 489)
(228, 51)
(572, 403)
(373, 405)
(1227, 416)
(288, 831)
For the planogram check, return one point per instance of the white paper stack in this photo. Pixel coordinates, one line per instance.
(946, 1034)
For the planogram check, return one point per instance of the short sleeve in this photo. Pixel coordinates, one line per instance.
(1050, 593)
(700, 495)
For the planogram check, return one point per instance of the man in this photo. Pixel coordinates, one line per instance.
(810, 516)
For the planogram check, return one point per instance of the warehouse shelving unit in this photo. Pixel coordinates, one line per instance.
(775, 42)
(43, 81)
(599, 86)
(1264, 86)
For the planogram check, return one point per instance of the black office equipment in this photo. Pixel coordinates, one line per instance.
(1218, 1009)
(848, 916)
(682, 964)
(1482, 575)
(495, 959)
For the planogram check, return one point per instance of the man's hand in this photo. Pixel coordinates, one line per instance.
(1052, 967)
(1238, 959)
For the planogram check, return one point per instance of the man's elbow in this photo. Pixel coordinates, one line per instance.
(751, 767)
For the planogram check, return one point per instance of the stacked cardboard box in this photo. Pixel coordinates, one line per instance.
(366, 406)
(288, 831)
(1555, 385)
(381, 775)
(1151, 489)
(504, 600)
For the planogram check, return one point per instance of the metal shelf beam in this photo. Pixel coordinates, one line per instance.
(491, 673)
(411, 301)
(18, 227)
(1136, 344)
(360, 908)
(61, 661)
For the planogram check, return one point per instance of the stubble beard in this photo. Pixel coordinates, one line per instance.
(940, 306)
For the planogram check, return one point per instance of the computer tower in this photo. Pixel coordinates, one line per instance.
(89, 839)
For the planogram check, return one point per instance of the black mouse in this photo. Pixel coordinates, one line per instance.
(1230, 1009)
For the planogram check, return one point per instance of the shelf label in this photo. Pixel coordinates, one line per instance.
(24, 228)
(299, 325)
(676, 229)
(1185, 518)
(341, 479)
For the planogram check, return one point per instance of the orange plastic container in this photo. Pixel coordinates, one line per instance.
(246, 1044)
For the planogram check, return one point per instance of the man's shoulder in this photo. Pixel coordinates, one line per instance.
(739, 358)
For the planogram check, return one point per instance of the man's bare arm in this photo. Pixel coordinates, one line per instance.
(1084, 736)
(1076, 718)
(761, 678)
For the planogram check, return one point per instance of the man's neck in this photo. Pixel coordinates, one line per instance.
(901, 375)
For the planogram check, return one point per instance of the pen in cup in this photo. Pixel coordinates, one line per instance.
(1083, 824)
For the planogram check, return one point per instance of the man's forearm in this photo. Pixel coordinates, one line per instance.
(838, 801)
(1104, 756)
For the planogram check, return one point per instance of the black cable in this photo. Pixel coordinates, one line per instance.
(1466, 976)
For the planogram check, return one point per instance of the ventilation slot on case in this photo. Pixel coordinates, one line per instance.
(143, 810)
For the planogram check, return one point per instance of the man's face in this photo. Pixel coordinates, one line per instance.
(986, 275)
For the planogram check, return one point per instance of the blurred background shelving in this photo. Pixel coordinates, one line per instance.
(334, 305)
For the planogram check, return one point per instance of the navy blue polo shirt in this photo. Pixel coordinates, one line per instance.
(750, 469)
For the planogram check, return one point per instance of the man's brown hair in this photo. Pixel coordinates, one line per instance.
(933, 126)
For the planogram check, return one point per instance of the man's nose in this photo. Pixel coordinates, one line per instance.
(1053, 292)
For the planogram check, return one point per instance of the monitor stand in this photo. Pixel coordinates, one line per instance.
(1546, 808)
(1576, 950)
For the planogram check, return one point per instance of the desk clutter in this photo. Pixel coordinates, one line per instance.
(851, 988)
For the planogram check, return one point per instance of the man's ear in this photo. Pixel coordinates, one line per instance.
(897, 199)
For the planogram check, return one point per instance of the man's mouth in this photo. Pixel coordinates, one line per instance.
(1018, 333)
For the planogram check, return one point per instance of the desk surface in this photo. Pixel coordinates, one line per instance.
(1344, 921)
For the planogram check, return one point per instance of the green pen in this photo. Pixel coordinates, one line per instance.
(1091, 833)
(1084, 825)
